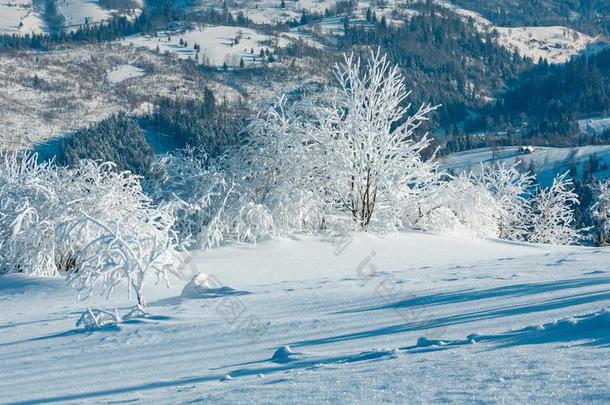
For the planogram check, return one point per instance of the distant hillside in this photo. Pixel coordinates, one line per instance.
(590, 16)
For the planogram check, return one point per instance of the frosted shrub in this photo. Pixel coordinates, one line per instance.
(600, 213)
(462, 206)
(512, 191)
(197, 187)
(552, 218)
(90, 222)
(30, 211)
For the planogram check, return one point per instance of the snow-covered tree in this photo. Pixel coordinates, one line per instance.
(512, 191)
(364, 146)
(30, 211)
(90, 222)
(462, 206)
(552, 217)
(118, 235)
(600, 213)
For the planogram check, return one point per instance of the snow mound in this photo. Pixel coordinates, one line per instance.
(207, 286)
(586, 326)
(282, 354)
(425, 342)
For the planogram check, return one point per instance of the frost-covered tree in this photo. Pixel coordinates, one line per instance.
(552, 217)
(90, 222)
(462, 206)
(30, 211)
(118, 235)
(600, 213)
(365, 149)
(512, 191)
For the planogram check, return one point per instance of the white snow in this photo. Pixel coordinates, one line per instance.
(79, 12)
(426, 319)
(19, 17)
(557, 44)
(125, 72)
(217, 44)
(205, 286)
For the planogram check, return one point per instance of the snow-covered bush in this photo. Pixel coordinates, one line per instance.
(600, 213)
(117, 234)
(462, 206)
(90, 222)
(552, 216)
(349, 158)
(31, 199)
(210, 204)
(512, 193)
(342, 160)
(196, 185)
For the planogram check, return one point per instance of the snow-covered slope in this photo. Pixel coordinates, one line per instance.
(219, 44)
(80, 12)
(20, 17)
(556, 44)
(422, 319)
(548, 161)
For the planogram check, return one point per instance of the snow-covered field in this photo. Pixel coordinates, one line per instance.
(556, 44)
(594, 126)
(79, 12)
(124, 72)
(78, 86)
(219, 44)
(549, 161)
(26, 16)
(20, 17)
(408, 318)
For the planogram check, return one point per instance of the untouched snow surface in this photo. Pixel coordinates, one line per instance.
(125, 72)
(408, 318)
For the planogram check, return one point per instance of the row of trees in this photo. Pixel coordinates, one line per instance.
(347, 159)
(206, 123)
(115, 28)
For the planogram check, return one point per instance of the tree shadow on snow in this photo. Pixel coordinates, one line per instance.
(470, 317)
(517, 290)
